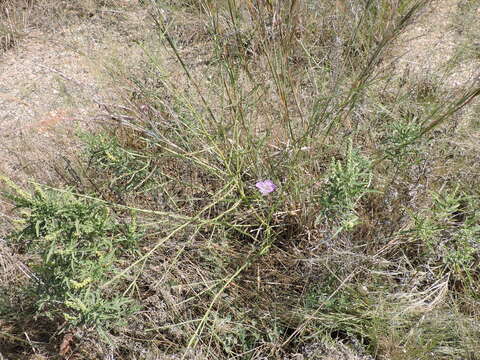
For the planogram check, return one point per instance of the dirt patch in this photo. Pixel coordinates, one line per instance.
(428, 50)
(37, 100)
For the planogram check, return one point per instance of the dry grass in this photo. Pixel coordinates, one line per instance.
(368, 249)
(14, 22)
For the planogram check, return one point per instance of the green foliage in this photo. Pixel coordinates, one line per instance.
(451, 233)
(79, 245)
(126, 170)
(402, 148)
(347, 182)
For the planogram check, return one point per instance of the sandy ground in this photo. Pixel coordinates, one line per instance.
(429, 48)
(43, 93)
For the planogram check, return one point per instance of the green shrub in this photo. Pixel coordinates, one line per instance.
(76, 245)
(347, 182)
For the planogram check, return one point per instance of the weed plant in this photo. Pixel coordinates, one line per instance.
(79, 246)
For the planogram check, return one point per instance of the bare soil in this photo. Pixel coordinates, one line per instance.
(430, 48)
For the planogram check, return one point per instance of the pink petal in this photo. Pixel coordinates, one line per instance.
(266, 187)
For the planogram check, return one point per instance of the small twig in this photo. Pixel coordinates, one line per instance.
(62, 75)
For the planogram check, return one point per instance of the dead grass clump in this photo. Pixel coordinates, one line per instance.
(14, 21)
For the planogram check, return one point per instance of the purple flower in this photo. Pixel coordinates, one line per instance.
(266, 186)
